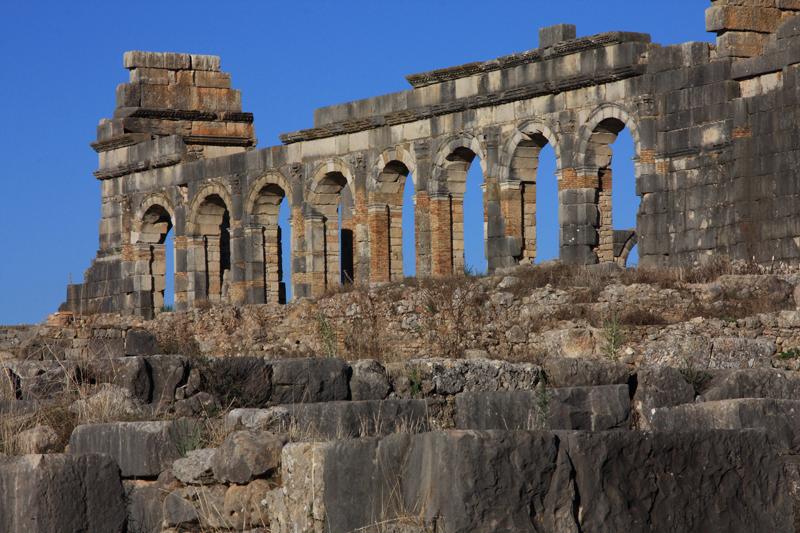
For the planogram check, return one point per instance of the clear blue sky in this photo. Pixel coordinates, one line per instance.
(62, 61)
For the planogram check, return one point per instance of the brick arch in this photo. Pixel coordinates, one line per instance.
(440, 181)
(210, 189)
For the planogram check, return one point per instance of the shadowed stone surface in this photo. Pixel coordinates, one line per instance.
(660, 387)
(539, 481)
(577, 408)
(142, 449)
(309, 381)
(779, 418)
(336, 420)
(61, 493)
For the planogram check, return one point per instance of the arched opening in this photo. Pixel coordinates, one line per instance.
(270, 244)
(612, 150)
(392, 224)
(533, 168)
(330, 234)
(458, 221)
(152, 242)
(213, 227)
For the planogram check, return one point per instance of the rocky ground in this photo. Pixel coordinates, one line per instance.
(538, 399)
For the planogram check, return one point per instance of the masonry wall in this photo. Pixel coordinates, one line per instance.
(715, 163)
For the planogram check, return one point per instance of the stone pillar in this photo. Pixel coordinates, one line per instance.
(578, 217)
(379, 230)
(457, 232)
(317, 242)
(441, 235)
(395, 216)
(605, 246)
(183, 297)
(422, 227)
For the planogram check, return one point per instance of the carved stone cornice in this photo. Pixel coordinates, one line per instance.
(421, 113)
(530, 56)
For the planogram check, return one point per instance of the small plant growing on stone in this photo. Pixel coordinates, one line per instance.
(696, 377)
(416, 383)
(613, 336)
(326, 335)
(791, 353)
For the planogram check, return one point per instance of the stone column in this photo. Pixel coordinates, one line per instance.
(441, 234)
(578, 216)
(379, 260)
(605, 247)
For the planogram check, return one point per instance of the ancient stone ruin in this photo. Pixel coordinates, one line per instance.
(712, 127)
(576, 396)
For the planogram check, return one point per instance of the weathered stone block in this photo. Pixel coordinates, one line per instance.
(575, 408)
(142, 449)
(309, 381)
(61, 493)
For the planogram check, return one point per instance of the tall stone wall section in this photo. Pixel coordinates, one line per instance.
(712, 127)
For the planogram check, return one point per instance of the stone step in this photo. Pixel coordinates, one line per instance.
(779, 418)
(535, 481)
(141, 449)
(336, 420)
(578, 408)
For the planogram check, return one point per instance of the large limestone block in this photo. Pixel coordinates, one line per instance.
(142, 449)
(369, 381)
(660, 387)
(579, 372)
(752, 383)
(310, 380)
(583, 408)
(336, 420)
(482, 481)
(779, 418)
(60, 493)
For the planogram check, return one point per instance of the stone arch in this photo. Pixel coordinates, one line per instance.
(153, 221)
(622, 249)
(446, 205)
(453, 160)
(265, 238)
(596, 136)
(385, 214)
(209, 250)
(158, 200)
(518, 175)
(389, 156)
(330, 249)
(212, 188)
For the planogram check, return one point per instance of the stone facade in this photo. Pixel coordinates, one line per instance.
(715, 165)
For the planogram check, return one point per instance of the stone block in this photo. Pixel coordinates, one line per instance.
(575, 408)
(752, 383)
(205, 62)
(196, 468)
(550, 35)
(369, 381)
(246, 455)
(779, 418)
(141, 449)
(336, 420)
(659, 387)
(164, 60)
(140, 342)
(580, 372)
(61, 493)
(536, 481)
(310, 380)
